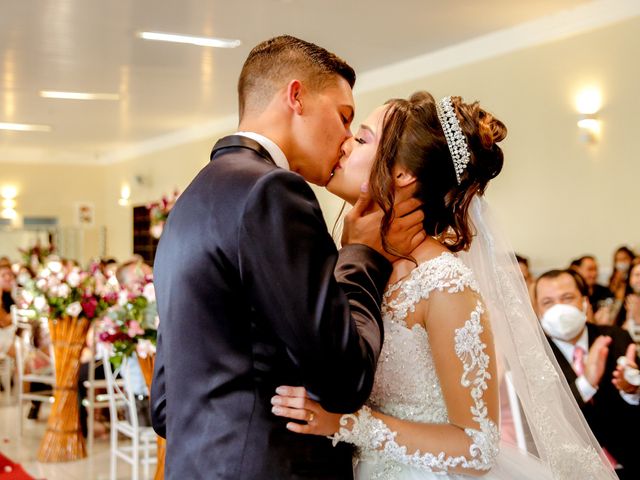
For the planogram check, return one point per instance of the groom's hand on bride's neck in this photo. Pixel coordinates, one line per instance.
(361, 225)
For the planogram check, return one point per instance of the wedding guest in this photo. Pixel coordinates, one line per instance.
(629, 315)
(108, 266)
(587, 354)
(599, 295)
(622, 259)
(133, 271)
(523, 263)
(7, 285)
(7, 328)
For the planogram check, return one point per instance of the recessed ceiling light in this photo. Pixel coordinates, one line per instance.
(25, 127)
(79, 95)
(201, 41)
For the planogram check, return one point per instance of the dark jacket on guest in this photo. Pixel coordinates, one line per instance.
(614, 422)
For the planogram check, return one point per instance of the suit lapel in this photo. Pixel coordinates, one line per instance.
(566, 367)
(240, 141)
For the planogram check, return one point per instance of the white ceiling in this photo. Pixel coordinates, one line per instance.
(90, 45)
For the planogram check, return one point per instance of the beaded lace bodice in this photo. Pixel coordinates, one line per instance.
(406, 385)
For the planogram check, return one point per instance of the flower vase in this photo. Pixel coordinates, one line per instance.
(63, 440)
(146, 365)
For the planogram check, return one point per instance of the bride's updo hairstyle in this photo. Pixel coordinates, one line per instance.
(412, 137)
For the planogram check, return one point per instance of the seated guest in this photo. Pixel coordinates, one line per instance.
(35, 359)
(7, 284)
(588, 354)
(622, 260)
(133, 272)
(7, 329)
(629, 315)
(599, 295)
(523, 263)
(108, 266)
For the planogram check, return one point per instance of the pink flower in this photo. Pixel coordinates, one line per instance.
(134, 329)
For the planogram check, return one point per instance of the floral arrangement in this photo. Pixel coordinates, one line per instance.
(56, 291)
(159, 212)
(131, 324)
(34, 257)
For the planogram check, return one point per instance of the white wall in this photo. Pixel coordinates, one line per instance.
(54, 191)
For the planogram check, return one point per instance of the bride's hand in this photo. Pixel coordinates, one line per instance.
(294, 403)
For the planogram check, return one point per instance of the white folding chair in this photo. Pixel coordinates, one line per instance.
(24, 346)
(142, 438)
(97, 397)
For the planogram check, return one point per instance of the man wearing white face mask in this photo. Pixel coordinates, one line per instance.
(587, 354)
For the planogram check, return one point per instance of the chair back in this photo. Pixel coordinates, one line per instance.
(120, 394)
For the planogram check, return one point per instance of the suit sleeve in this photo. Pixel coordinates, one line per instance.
(330, 326)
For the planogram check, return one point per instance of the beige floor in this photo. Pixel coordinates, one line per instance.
(24, 449)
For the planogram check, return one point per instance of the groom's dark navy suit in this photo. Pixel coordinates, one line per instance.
(248, 300)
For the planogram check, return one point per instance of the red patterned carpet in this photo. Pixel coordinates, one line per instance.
(12, 471)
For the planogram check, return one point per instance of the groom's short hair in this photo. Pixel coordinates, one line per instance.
(274, 62)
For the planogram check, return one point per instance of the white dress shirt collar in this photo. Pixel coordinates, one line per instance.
(567, 348)
(274, 150)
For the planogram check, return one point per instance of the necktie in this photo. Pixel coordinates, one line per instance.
(578, 360)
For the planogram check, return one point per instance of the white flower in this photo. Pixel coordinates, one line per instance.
(74, 309)
(41, 283)
(123, 298)
(23, 278)
(149, 292)
(64, 290)
(156, 230)
(27, 296)
(55, 266)
(39, 303)
(145, 348)
(73, 279)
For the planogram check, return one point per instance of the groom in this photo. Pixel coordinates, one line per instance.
(251, 290)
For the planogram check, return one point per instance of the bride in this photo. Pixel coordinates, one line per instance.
(453, 310)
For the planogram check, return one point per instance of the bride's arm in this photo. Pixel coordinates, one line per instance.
(462, 349)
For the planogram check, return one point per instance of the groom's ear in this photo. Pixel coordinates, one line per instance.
(294, 96)
(402, 177)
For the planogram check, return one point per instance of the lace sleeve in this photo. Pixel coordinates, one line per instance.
(457, 327)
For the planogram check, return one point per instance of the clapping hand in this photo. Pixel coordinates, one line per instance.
(294, 403)
(596, 360)
(619, 380)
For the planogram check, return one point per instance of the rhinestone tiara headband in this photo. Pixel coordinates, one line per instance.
(453, 133)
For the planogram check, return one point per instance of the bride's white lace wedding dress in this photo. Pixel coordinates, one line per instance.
(408, 387)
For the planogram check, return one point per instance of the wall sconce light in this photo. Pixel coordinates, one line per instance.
(125, 195)
(588, 103)
(9, 194)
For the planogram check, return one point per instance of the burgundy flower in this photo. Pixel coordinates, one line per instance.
(89, 305)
